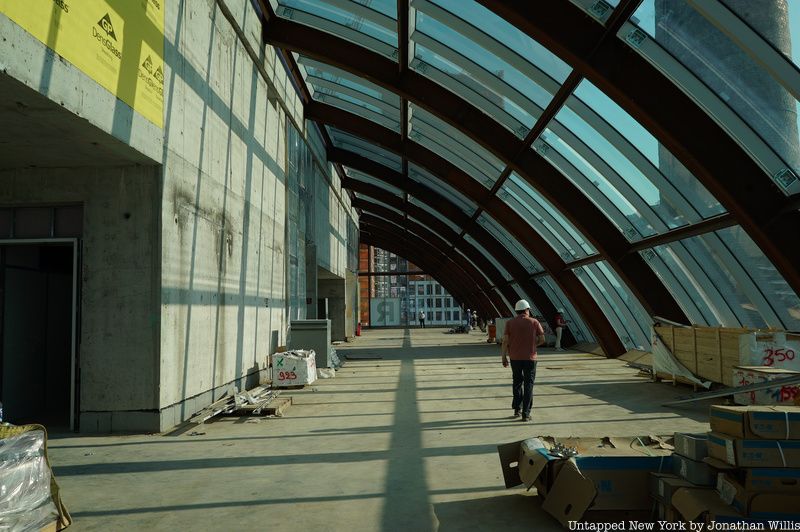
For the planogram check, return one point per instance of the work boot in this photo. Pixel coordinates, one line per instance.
(516, 412)
(526, 417)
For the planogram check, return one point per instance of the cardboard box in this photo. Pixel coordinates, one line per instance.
(294, 368)
(609, 475)
(759, 504)
(778, 395)
(663, 485)
(772, 480)
(750, 422)
(692, 446)
(754, 453)
(704, 505)
(696, 472)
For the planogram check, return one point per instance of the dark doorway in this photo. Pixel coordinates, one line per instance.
(36, 301)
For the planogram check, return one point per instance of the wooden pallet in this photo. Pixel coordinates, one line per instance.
(275, 406)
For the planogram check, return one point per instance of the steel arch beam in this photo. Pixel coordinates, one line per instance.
(562, 193)
(432, 265)
(678, 123)
(435, 228)
(402, 248)
(513, 223)
(445, 207)
(433, 244)
(446, 268)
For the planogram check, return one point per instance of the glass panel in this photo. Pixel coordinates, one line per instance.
(363, 147)
(419, 174)
(68, 221)
(783, 34)
(726, 69)
(779, 295)
(454, 146)
(568, 236)
(681, 194)
(578, 327)
(33, 222)
(510, 243)
(319, 71)
(614, 298)
(508, 35)
(507, 276)
(430, 210)
(594, 185)
(361, 176)
(729, 280)
(370, 24)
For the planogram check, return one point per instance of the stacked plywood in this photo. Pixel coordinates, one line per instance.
(708, 352)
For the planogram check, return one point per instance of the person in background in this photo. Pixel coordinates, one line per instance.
(561, 323)
(522, 336)
(422, 318)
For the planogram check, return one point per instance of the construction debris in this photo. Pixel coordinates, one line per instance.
(260, 401)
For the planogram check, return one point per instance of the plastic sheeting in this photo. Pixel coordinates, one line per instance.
(25, 496)
(665, 362)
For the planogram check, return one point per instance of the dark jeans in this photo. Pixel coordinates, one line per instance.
(422, 323)
(523, 373)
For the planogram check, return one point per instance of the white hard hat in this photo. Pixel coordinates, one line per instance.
(521, 305)
(560, 311)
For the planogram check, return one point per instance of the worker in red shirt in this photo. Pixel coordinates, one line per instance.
(522, 335)
(561, 323)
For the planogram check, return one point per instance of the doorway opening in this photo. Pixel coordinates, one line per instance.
(38, 321)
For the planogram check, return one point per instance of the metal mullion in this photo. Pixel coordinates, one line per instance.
(472, 95)
(444, 189)
(679, 292)
(509, 242)
(583, 182)
(474, 243)
(369, 114)
(492, 45)
(327, 25)
(748, 284)
(617, 297)
(353, 93)
(423, 205)
(542, 210)
(651, 172)
(736, 127)
(378, 183)
(619, 183)
(752, 43)
(376, 156)
(361, 10)
(554, 239)
(602, 301)
(695, 272)
(443, 128)
(554, 293)
(463, 152)
(344, 74)
(616, 303)
(480, 74)
(448, 152)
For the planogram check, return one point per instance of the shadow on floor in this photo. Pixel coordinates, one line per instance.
(516, 511)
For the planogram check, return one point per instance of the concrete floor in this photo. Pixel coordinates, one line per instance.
(407, 442)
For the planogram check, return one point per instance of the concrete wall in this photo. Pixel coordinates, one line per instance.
(187, 297)
(119, 284)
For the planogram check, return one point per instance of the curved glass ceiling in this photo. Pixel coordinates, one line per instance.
(736, 62)
(719, 56)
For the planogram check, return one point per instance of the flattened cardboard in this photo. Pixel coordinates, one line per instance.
(750, 422)
(693, 446)
(754, 453)
(509, 463)
(570, 496)
(696, 472)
